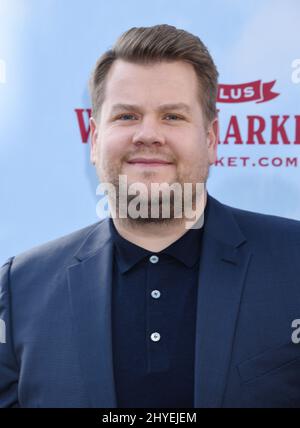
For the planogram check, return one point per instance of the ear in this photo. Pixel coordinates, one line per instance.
(212, 140)
(94, 136)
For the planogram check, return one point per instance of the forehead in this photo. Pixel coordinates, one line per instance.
(174, 81)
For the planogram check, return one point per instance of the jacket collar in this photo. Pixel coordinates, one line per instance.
(219, 224)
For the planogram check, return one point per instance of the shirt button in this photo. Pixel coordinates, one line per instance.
(155, 294)
(154, 259)
(155, 337)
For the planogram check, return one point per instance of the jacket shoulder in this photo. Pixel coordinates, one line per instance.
(59, 251)
(260, 226)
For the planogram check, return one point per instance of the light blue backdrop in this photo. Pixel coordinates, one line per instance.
(47, 50)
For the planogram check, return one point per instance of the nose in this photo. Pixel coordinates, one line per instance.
(148, 133)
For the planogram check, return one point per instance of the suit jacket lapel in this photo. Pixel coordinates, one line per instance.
(90, 297)
(223, 266)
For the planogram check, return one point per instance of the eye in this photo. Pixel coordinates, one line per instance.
(174, 116)
(126, 116)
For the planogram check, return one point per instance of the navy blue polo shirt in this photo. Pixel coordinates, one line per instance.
(154, 302)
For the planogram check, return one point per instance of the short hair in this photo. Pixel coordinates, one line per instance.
(144, 45)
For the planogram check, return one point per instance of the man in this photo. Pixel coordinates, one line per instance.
(143, 311)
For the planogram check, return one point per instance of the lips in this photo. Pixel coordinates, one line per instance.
(149, 161)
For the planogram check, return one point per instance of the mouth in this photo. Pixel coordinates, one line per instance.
(151, 162)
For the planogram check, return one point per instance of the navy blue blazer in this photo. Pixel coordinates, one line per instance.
(55, 301)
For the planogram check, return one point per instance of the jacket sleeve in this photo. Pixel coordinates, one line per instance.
(8, 364)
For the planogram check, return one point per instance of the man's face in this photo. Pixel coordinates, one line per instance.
(152, 112)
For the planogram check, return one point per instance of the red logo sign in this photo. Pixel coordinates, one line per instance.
(244, 92)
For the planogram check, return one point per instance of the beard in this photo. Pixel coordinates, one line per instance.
(138, 209)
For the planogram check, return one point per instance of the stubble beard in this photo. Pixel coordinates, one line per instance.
(110, 173)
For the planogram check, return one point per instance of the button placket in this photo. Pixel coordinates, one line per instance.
(157, 356)
(155, 294)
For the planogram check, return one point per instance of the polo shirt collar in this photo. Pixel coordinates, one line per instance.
(186, 249)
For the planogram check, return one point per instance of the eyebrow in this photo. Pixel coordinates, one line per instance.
(164, 107)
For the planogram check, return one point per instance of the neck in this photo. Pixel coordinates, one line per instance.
(156, 236)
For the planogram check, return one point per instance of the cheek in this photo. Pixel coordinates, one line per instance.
(190, 144)
(192, 155)
(115, 144)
